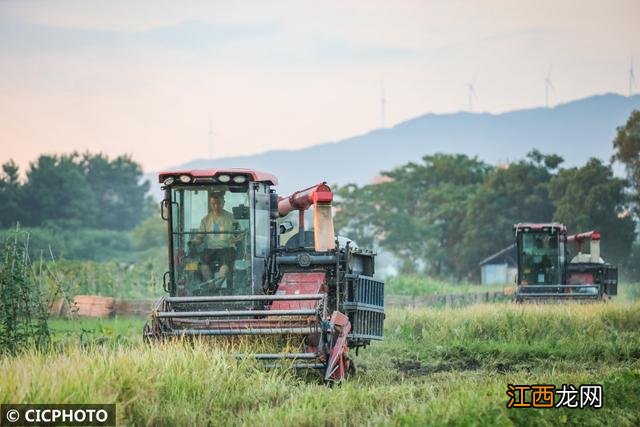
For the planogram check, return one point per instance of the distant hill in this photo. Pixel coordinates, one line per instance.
(576, 130)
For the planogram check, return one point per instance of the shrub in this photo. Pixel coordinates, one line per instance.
(23, 308)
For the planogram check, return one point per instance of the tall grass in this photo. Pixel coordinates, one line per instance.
(435, 367)
(423, 285)
(198, 385)
(509, 336)
(629, 291)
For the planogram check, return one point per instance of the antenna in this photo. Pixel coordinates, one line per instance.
(632, 79)
(547, 85)
(383, 104)
(472, 93)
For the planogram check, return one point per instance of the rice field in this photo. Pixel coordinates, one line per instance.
(439, 366)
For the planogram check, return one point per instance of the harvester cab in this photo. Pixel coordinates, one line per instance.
(544, 271)
(230, 275)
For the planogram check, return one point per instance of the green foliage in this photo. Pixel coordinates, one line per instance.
(150, 233)
(507, 196)
(627, 151)
(57, 191)
(360, 226)
(81, 244)
(631, 268)
(10, 195)
(123, 264)
(142, 279)
(92, 332)
(591, 198)
(121, 198)
(413, 285)
(416, 212)
(444, 216)
(23, 305)
(75, 191)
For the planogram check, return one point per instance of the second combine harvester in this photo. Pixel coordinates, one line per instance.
(545, 272)
(229, 275)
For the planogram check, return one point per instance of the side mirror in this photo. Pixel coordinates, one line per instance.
(164, 209)
(285, 227)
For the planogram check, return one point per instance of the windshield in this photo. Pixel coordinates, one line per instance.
(210, 237)
(539, 258)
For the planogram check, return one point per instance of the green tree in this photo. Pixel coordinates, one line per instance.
(518, 193)
(58, 192)
(356, 212)
(82, 191)
(119, 193)
(11, 195)
(627, 151)
(150, 233)
(591, 198)
(416, 213)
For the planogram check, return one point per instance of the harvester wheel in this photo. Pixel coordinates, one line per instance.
(146, 333)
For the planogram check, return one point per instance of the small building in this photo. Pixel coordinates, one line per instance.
(499, 268)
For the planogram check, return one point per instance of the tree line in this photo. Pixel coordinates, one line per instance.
(72, 191)
(445, 214)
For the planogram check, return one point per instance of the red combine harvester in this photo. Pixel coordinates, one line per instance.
(545, 273)
(229, 275)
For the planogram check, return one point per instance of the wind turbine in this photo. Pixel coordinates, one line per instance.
(383, 104)
(632, 79)
(548, 85)
(472, 93)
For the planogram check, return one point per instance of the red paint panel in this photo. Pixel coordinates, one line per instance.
(580, 279)
(311, 282)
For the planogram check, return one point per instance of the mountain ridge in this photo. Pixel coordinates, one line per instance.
(575, 130)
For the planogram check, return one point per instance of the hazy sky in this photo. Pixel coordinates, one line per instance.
(145, 78)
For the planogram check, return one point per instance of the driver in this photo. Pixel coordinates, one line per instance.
(541, 260)
(219, 242)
